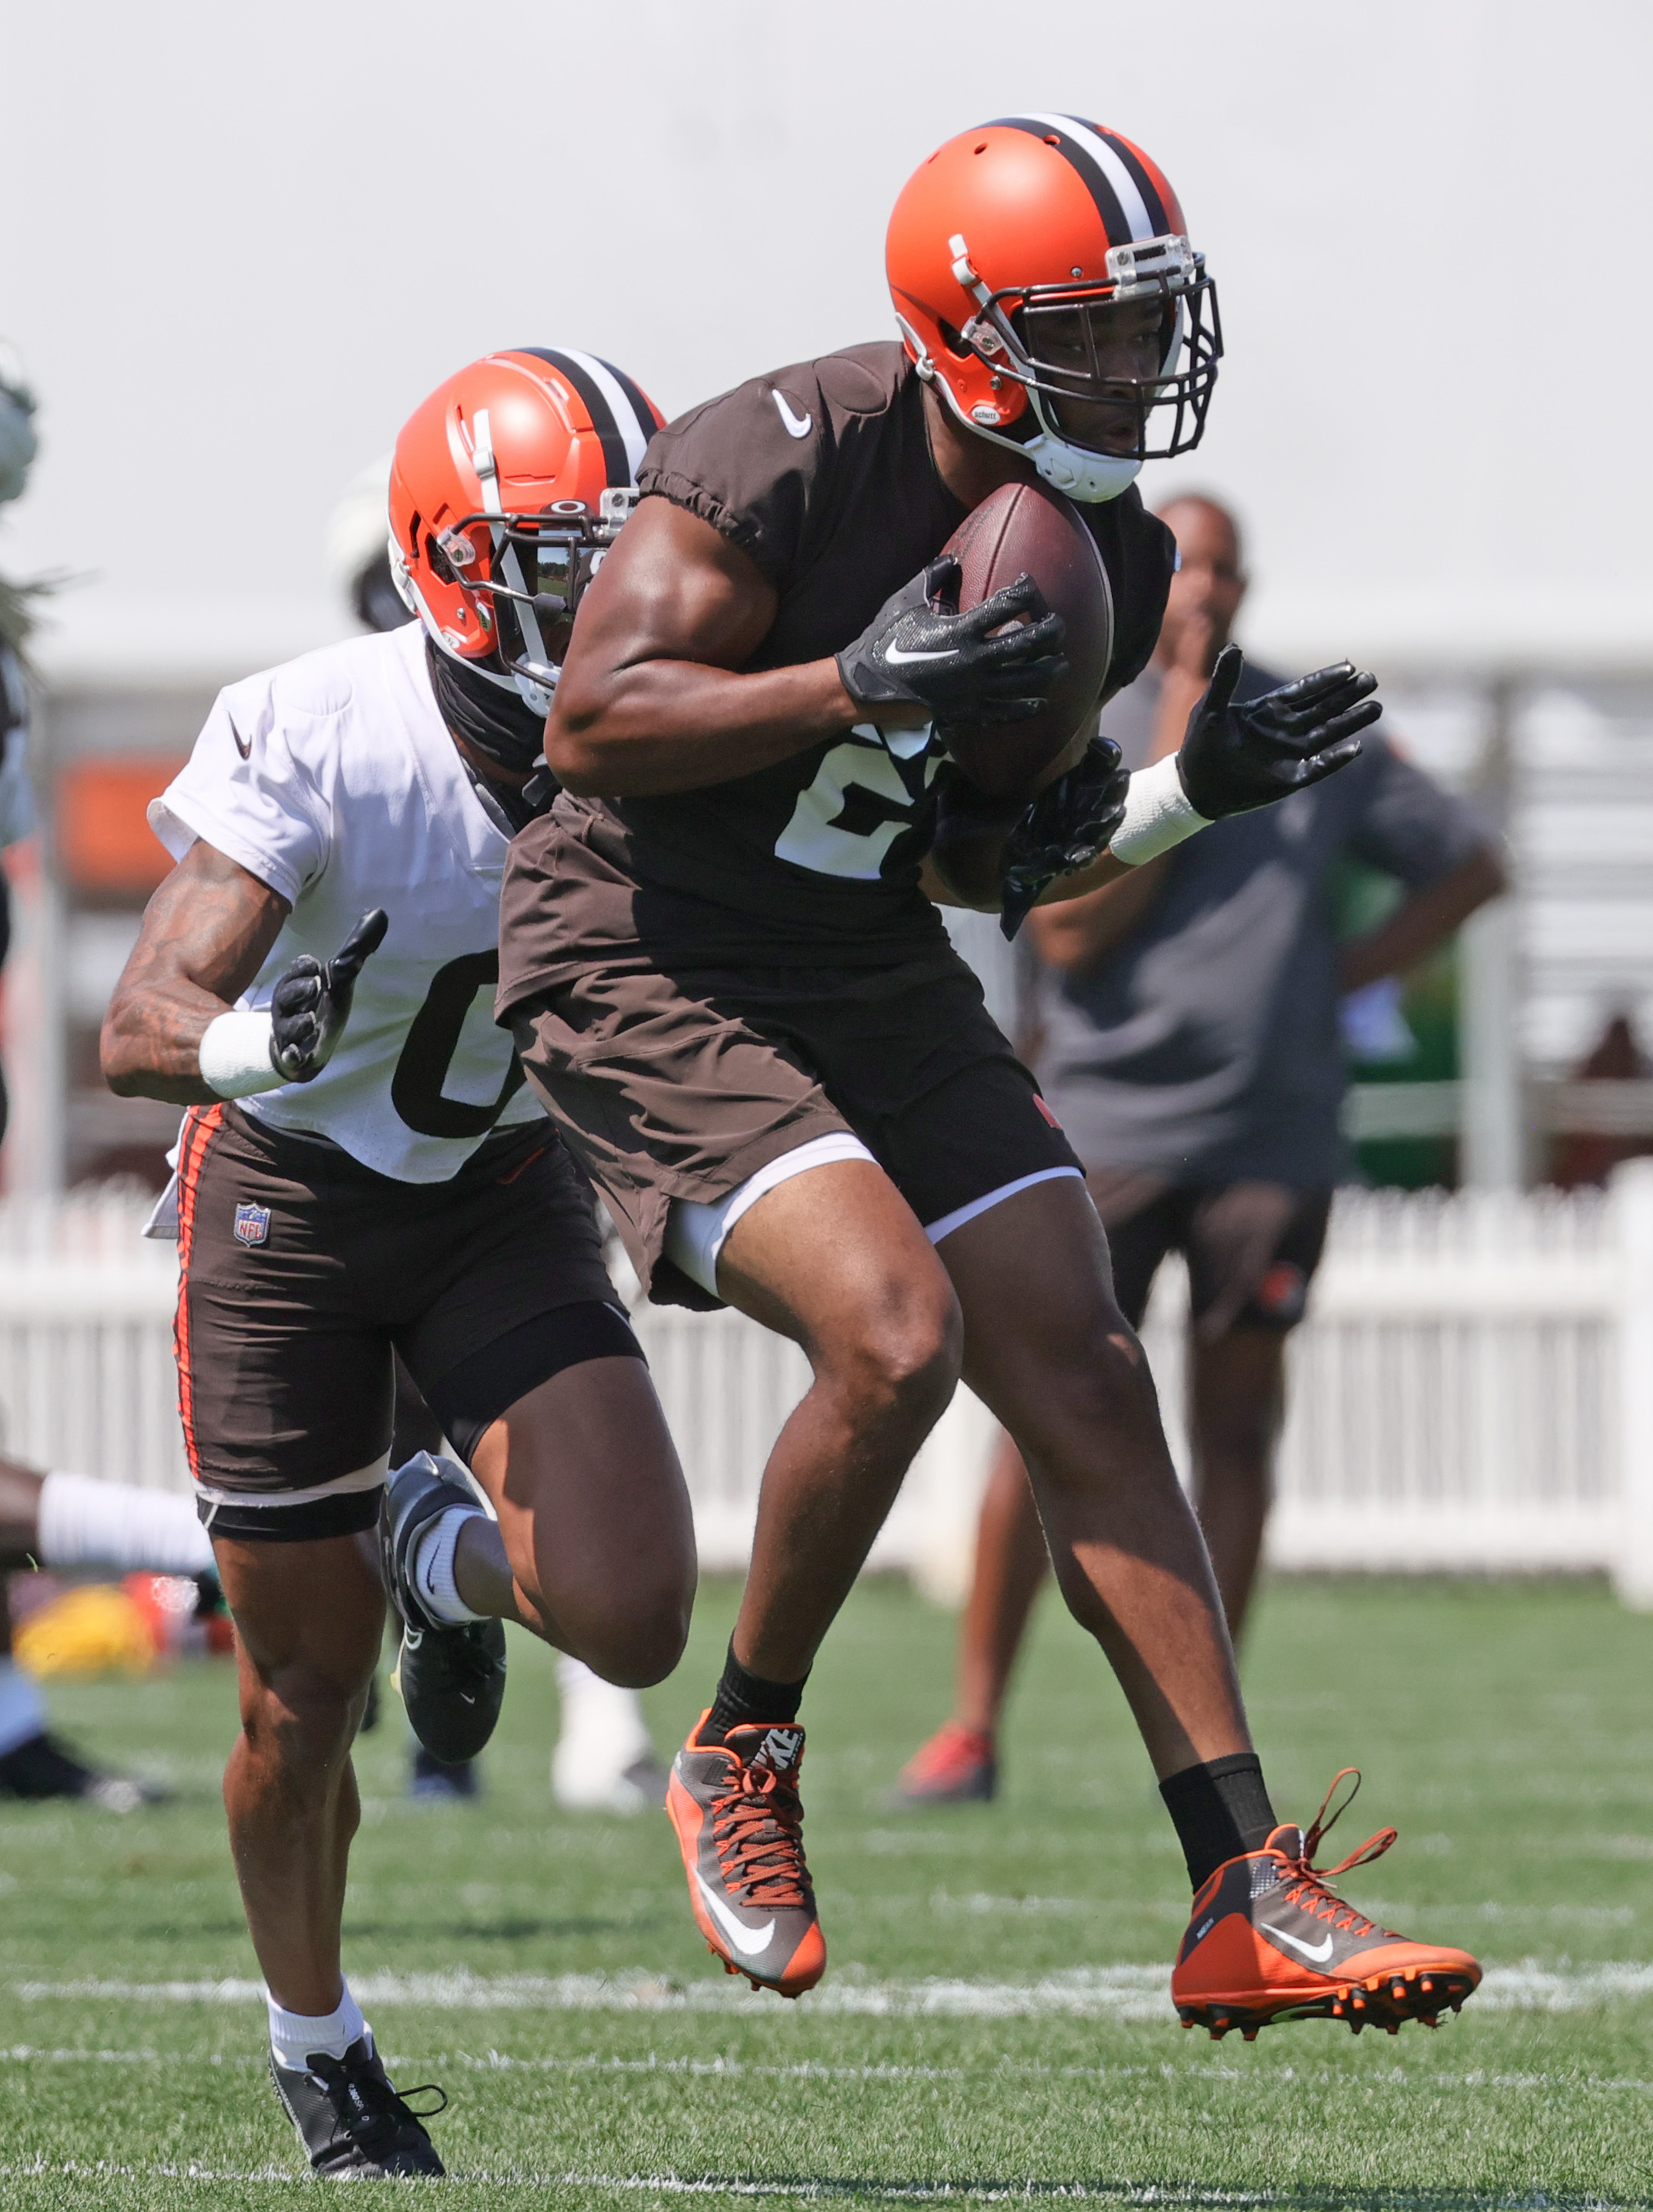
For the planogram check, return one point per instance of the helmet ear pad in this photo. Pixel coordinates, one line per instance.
(981, 400)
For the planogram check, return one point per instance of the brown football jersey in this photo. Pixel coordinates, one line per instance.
(821, 473)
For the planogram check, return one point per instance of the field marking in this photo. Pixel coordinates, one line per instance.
(806, 2191)
(1429, 2079)
(1122, 1992)
(1133, 1992)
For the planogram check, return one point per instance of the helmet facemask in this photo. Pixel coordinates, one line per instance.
(1087, 427)
(523, 576)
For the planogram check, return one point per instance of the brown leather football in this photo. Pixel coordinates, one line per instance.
(1028, 527)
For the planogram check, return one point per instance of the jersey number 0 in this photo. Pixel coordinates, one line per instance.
(432, 1039)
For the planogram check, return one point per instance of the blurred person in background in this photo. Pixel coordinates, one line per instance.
(604, 1760)
(1185, 1031)
(56, 1519)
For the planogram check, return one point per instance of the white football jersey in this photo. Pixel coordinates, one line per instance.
(334, 780)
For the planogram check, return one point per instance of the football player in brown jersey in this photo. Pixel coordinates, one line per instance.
(726, 975)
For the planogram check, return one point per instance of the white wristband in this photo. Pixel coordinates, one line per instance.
(1158, 815)
(235, 1055)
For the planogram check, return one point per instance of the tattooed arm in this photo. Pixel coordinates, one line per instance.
(205, 935)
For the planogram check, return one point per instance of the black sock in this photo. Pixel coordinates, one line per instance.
(1218, 1810)
(743, 1699)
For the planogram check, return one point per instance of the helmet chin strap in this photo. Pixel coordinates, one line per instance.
(1090, 478)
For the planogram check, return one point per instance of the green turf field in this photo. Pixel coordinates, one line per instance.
(994, 2024)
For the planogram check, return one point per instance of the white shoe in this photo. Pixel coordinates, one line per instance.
(604, 1760)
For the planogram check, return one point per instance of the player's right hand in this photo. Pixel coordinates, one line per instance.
(919, 651)
(311, 1002)
(1236, 758)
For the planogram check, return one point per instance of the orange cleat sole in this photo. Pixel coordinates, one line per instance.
(1386, 2001)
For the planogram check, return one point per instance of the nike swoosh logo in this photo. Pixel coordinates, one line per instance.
(796, 426)
(751, 1941)
(895, 657)
(243, 745)
(1316, 1953)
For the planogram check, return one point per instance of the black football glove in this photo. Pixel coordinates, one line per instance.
(919, 650)
(1236, 758)
(311, 1002)
(1070, 824)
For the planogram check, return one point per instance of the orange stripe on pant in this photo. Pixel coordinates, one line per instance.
(200, 1127)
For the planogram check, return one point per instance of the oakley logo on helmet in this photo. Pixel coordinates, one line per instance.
(1043, 282)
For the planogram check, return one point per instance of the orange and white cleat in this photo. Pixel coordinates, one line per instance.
(1271, 1940)
(739, 1824)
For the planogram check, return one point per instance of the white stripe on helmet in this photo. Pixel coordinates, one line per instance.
(1132, 203)
(636, 433)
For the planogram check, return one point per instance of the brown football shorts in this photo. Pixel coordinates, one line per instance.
(681, 1084)
(301, 1273)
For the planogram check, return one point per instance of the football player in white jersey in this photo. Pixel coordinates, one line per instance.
(361, 1171)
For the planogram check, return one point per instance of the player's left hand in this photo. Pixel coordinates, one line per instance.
(1070, 824)
(1236, 758)
(311, 1002)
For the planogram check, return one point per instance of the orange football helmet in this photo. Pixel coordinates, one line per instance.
(1042, 278)
(506, 487)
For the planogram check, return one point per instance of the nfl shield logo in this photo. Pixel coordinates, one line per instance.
(251, 1224)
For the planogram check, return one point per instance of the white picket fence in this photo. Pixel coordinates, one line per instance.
(1474, 1387)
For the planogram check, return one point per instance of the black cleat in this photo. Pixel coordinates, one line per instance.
(350, 2120)
(41, 1768)
(451, 1680)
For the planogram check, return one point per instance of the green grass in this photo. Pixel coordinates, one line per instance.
(1506, 1729)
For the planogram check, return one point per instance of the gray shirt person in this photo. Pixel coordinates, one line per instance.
(1205, 1047)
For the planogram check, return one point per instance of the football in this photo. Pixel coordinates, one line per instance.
(1028, 527)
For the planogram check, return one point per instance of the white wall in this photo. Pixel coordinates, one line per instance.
(240, 244)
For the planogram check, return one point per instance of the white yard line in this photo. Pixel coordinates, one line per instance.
(673, 2185)
(1428, 2079)
(1126, 1992)
(1118, 1992)
(799, 2191)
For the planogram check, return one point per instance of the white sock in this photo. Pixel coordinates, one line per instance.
(295, 2035)
(594, 1710)
(22, 1709)
(84, 1522)
(433, 1565)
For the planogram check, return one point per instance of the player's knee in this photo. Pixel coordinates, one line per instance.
(305, 1718)
(638, 1637)
(902, 1359)
(627, 1617)
(1098, 1389)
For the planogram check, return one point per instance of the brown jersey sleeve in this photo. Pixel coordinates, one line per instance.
(741, 465)
(759, 463)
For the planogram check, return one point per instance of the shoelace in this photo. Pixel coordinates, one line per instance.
(757, 1832)
(1311, 1891)
(367, 2107)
